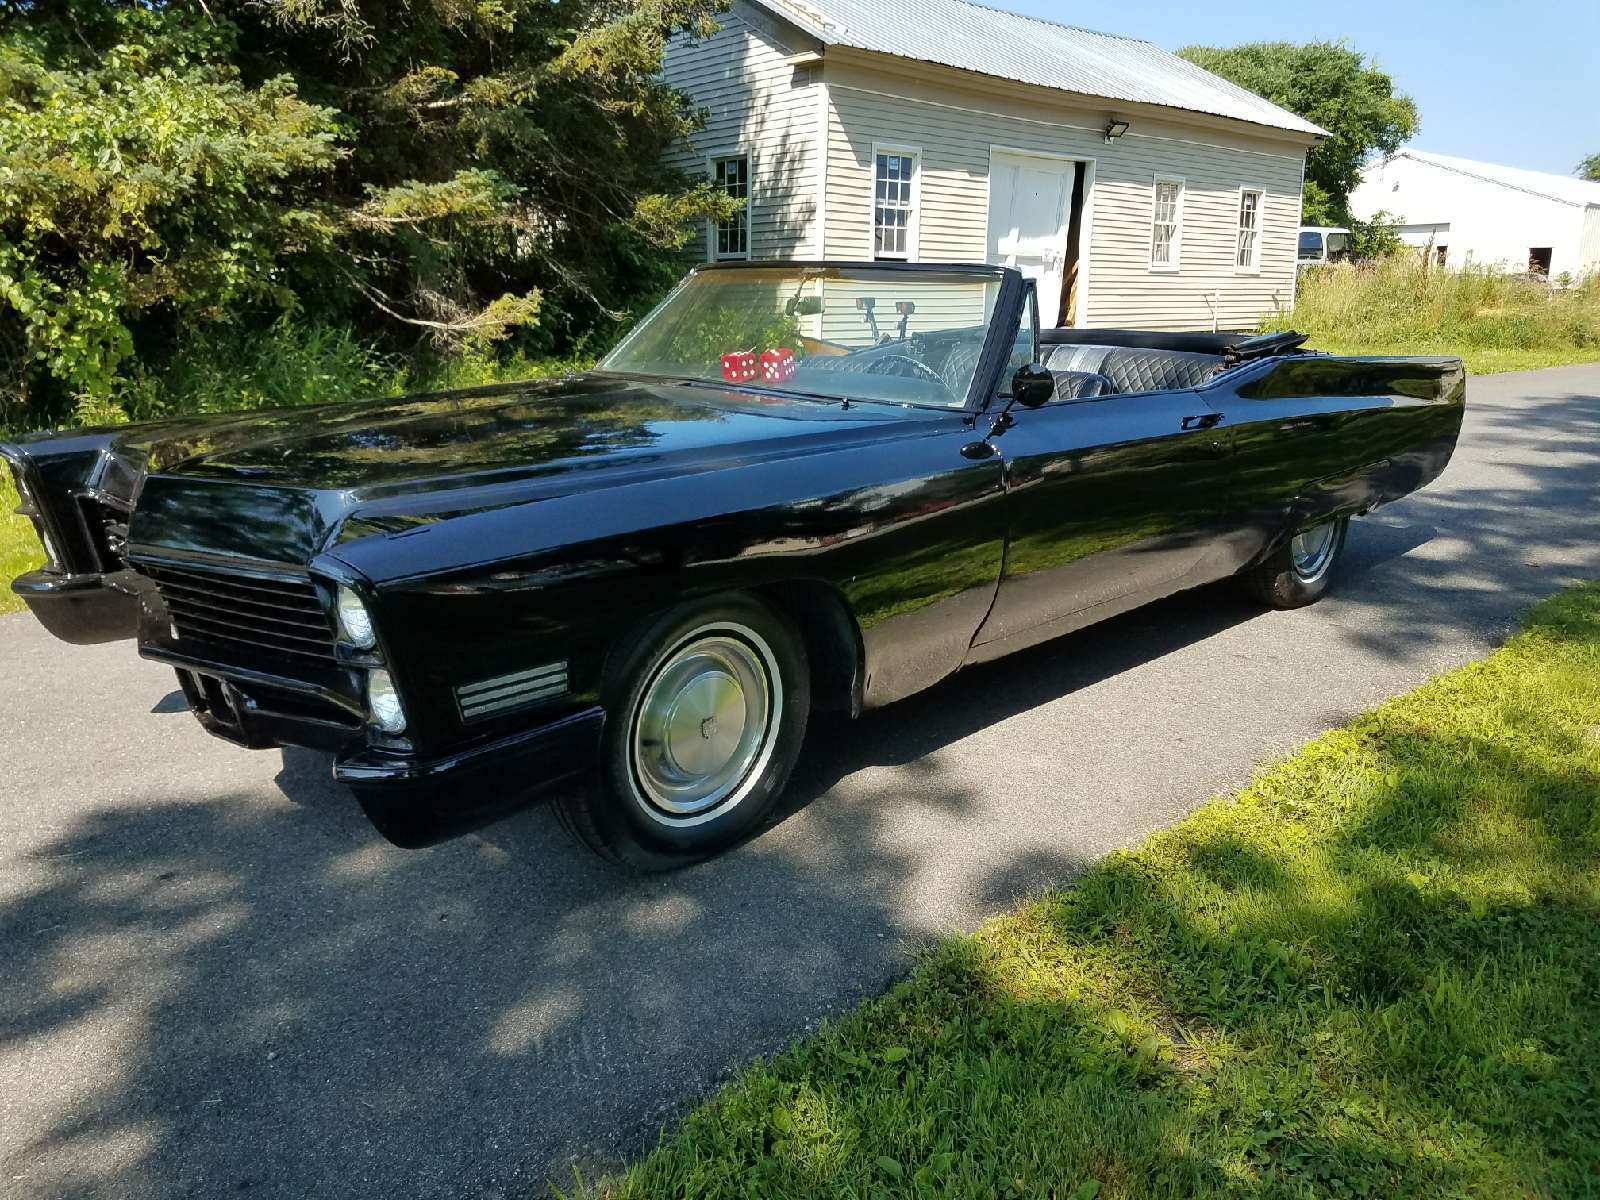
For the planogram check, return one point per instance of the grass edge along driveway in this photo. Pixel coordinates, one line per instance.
(1374, 971)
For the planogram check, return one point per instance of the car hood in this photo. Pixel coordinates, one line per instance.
(284, 484)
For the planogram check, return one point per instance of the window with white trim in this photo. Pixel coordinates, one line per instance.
(731, 238)
(894, 204)
(1247, 253)
(1166, 225)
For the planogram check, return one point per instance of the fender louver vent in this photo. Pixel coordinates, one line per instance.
(491, 697)
(281, 616)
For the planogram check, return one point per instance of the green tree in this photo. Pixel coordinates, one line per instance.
(505, 155)
(1333, 86)
(444, 170)
(146, 177)
(1589, 168)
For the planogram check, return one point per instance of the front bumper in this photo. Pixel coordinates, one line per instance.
(416, 802)
(83, 610)
(412, 800)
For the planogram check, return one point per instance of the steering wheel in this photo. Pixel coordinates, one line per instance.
(906, 367)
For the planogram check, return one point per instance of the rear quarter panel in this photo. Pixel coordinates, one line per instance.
(1321, 436)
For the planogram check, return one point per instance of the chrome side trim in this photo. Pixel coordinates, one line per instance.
(502, 693)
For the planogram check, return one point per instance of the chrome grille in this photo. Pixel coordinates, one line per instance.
(285, 616)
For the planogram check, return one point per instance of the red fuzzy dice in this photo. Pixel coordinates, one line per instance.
(777, 365)
(739, 366)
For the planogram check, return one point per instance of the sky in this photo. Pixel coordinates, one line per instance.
(1517, 84)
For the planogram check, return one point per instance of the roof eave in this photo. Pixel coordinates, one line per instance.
(1306, 137)
(811, 24)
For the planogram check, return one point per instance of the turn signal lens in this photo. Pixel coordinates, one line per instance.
(355, 623)
(384, 702)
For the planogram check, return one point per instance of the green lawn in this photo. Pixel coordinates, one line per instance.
(1373, 972)
(19, 546)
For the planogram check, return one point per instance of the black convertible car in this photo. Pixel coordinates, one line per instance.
(792, 486)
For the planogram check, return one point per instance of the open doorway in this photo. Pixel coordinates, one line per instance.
(1539, 260)
(1036, 206)
(1069, 288)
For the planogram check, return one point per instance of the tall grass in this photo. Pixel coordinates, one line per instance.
(1494, 320)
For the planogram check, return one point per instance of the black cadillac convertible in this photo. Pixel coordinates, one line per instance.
(791, 487)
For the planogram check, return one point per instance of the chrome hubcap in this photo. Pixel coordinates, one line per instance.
(705, 724)
(1312, 550)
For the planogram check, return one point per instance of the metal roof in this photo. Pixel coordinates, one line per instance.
(990, 41)
(1561, 188)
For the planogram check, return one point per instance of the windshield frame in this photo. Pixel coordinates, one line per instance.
(997, 341)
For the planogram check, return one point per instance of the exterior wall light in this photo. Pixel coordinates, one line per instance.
(1115, 128)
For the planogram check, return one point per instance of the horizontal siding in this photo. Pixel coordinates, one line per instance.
(939, 306)
(755, 102)
(956, 144)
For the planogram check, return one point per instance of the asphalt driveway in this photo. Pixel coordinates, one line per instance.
(215, 977)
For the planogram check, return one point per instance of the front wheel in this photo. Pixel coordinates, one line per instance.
(705, 712)
(1299, 572)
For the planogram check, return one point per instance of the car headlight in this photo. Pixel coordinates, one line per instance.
(384, 702)
(355, 622)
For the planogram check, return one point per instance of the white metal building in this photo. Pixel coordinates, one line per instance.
(1474, 212)
(1138, 189)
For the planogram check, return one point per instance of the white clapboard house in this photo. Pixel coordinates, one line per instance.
(1136, 188)
(1461, 211)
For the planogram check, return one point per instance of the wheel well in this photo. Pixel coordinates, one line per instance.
(832, 640)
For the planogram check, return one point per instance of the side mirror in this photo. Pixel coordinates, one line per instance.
(1032, 386)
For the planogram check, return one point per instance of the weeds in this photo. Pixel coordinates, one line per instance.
(1494, 320)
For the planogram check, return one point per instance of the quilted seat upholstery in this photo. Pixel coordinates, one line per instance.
(958, 367)
(1080, 385)
(1131, 369)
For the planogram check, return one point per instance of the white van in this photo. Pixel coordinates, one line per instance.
(1323, 244)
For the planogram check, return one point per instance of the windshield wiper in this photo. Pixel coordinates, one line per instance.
(724, 385)
(696, 381)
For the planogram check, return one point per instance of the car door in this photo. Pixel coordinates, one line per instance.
(1111, 501)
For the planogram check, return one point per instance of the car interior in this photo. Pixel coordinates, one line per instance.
(1107, 362)
(1086, 363)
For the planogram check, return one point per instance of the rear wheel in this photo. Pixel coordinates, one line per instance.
(706, 709)
(1299, 571)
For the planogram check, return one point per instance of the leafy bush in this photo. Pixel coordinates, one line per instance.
(152, 178)
(448, 174)
(1377, 238)
(285, 364)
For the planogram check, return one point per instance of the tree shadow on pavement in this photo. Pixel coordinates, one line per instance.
(270, 997)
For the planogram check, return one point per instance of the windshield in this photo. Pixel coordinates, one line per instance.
(1310, 245)
(1338, 245)
(905, 337)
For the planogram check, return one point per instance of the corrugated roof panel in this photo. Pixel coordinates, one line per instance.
(990, 41)
(1542, 183)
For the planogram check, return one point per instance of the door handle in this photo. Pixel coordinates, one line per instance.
(1201, 421)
